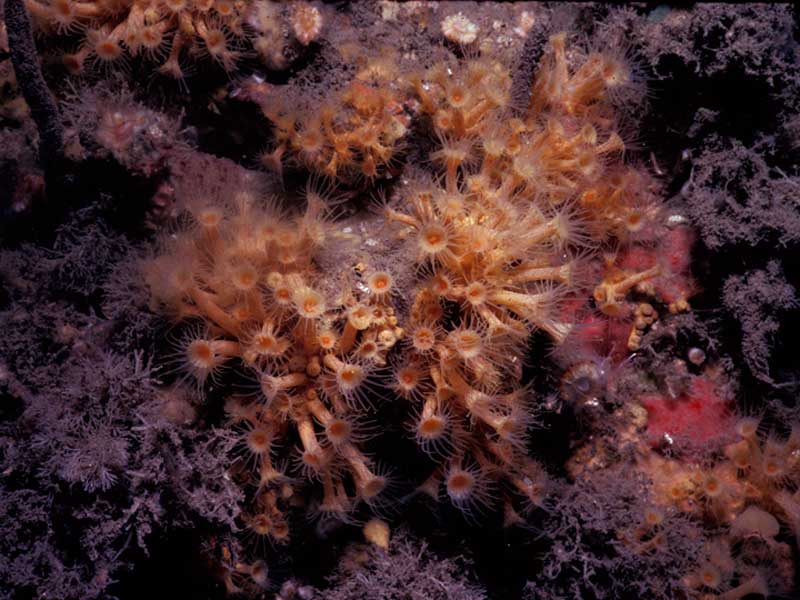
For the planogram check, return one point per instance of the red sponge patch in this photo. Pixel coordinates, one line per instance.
(700, 418)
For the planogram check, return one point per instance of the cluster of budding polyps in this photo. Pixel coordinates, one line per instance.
(115, 30)
(740, 495)
(354, 133)
(506, 237)
(503, 240)
(246, 274)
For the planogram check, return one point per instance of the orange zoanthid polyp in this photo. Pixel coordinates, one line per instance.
(259, 441)
(338, 431)
(260, 524)
(710, 576)
(423, 338)
(224, 8)
(201, 354)
(441, 284)
(432, 427)
(283, 294)
(266, 343)
(327, 339)
(748, 427)
(349, 377)
(374, 486)
(308, 303)
(360, 317)
(204, 357)
(151, 38)
(476, 293)
(209, 216)
(64, 14)
(107, 50)
(467, 343)
(245, 278)
(433, 239)
(176, 5)
(306, 22)
(368, 350)
(408, 379)
(380, 282)
(467, 487)
(460, 485)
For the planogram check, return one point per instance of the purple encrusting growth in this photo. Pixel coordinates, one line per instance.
(735, 196)
(605, 506)
(758, 299)
(93, 453)
(712, 38)
(409, 568)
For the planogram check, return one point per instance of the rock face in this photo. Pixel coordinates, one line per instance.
(296, 275)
